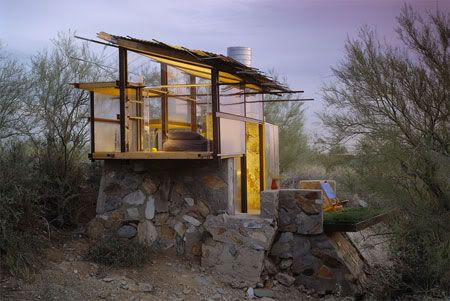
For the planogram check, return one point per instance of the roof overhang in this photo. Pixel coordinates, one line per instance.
(197, 62)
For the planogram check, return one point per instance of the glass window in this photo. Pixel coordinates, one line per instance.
(271, 153)
(254, 106)
(230, 102)
(179, 113)
(152, 139)
(204, 109)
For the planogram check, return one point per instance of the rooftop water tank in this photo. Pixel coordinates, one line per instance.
(241, 54)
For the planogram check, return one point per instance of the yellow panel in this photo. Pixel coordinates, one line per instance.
(209, 126)
(253, 166)
(263, 155)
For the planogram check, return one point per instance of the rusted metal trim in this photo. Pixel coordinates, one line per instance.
(193, 104)
(244, 207)
(215, 110)
(123, 79)
(92, 120)
(164, 103)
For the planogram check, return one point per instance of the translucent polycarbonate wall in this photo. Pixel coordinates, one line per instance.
(232, 137)
(106, 124)
(272, 159)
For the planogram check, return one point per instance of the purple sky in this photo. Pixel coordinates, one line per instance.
(299, 39)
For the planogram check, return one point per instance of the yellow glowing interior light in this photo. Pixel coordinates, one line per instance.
(253, 166)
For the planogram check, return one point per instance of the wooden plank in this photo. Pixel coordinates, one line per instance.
(152, 155)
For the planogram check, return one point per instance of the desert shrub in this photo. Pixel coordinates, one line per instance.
(119, 253)
(392, 103)
(21, 221)
(289, 118)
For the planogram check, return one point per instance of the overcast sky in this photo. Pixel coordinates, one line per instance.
(299, 39)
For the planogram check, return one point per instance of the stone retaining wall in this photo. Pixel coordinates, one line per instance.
(162, 203)
(302, 252)
(188, 205)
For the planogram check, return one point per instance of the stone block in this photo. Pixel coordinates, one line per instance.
(239, 266)
(269, 204)
(135, 198)
(150, 208)
(189, 201)
(111, 202)
(241, 229)
(301, 211)
(126, 231)
(309, 224)
(202, 209)
(149, 185)
(161, 204)
(282, 248)
(192, 220)
(133, 213)
(147, 233)
(285, 279)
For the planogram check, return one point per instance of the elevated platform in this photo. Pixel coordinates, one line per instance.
(151, 155)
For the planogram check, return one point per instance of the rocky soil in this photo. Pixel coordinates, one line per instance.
(65, 275)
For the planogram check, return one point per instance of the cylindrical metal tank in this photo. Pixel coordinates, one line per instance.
(241, 54)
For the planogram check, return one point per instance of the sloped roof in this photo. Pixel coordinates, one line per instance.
(197, 62)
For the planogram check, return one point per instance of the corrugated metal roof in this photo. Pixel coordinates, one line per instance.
(205, 58)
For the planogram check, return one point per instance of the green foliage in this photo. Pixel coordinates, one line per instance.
(351, 215)
(395, 110)
(43, 139)
(21, 222)
(293, 141)
(119, 253)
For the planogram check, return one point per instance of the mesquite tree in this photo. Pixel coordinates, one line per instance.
(393, 103)
(399, 96)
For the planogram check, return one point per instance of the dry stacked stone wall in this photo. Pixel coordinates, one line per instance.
(188, 205)
(302, 253)
(162, 203)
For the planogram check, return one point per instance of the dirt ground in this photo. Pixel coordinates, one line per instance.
(66, 276)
